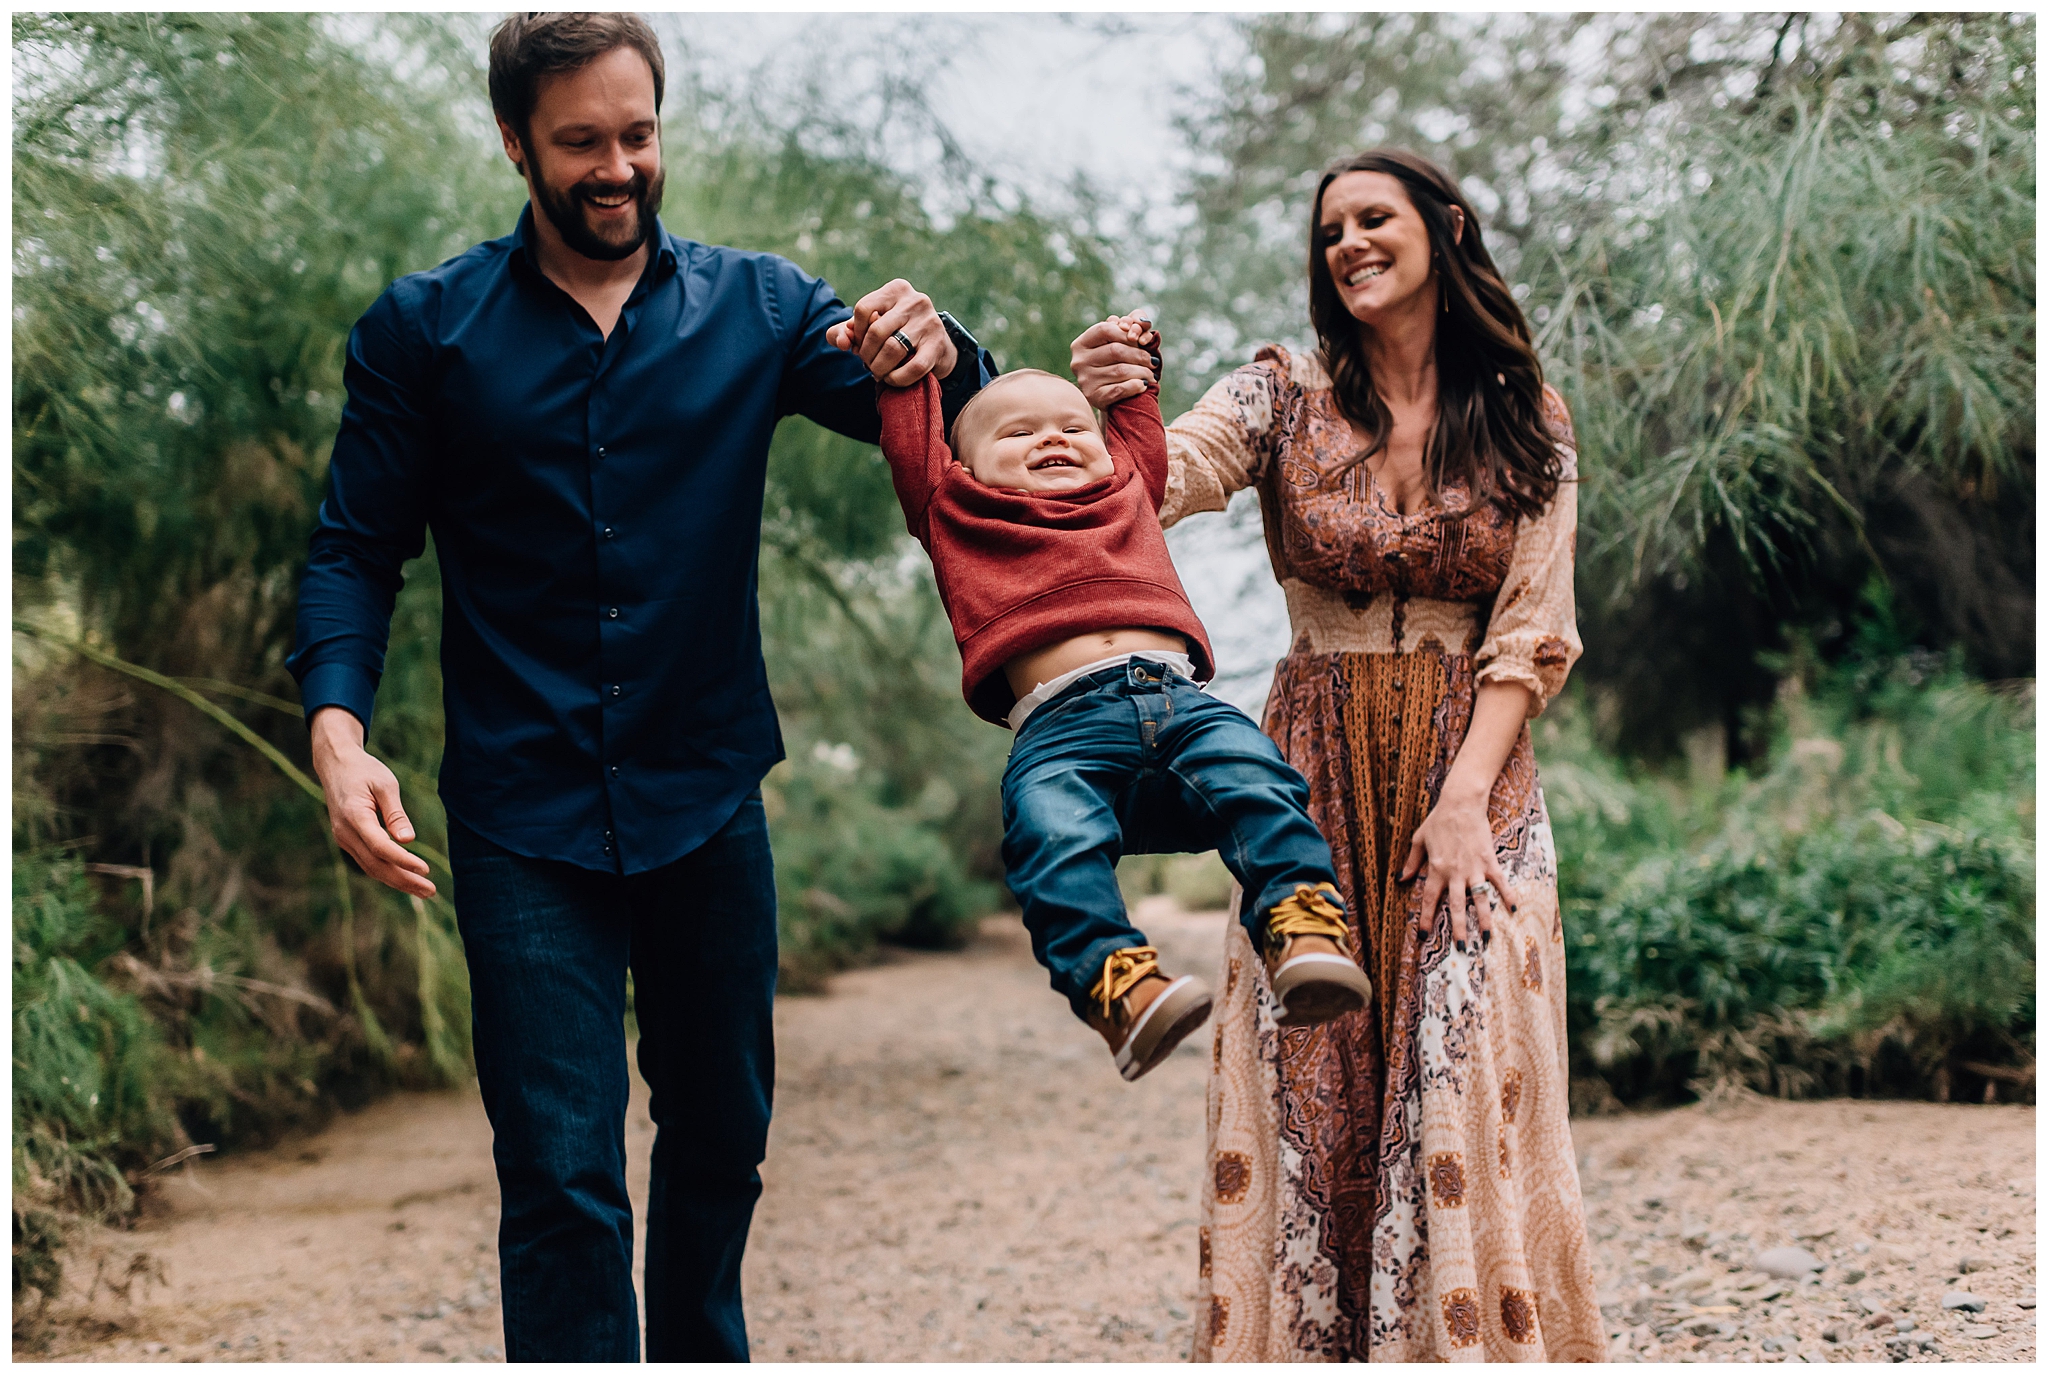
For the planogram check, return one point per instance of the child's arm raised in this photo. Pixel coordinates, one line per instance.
(1133, 426)
(913, 439)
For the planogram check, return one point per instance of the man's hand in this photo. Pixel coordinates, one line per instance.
(1112, 361)
(362, 804)
(884, 313)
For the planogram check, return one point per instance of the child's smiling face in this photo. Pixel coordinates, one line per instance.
(1032, 432)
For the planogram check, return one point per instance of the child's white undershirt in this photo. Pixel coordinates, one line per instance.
(1045, 692)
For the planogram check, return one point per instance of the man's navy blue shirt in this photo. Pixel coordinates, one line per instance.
(596, 508)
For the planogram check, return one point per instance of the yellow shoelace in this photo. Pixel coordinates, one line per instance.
(1123, 971)
(1310, 912)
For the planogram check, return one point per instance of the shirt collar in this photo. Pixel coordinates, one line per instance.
(661, 262)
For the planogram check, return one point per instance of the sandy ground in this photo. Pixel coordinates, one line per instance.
(1904, 1203)
(955, 1172)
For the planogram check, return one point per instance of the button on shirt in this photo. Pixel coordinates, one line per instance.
(595, 504)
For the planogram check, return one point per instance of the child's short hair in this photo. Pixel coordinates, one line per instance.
(963, 431)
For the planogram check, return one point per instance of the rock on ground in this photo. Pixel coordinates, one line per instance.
(956, 1172)
(1894, 1199)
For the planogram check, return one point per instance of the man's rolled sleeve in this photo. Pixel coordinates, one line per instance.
(372, 521)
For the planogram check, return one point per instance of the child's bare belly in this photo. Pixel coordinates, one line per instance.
(1048, 662)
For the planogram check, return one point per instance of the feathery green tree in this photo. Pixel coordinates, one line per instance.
(1781, 266)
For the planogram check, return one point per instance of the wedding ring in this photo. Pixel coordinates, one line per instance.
(908, 347)
(1482, 887)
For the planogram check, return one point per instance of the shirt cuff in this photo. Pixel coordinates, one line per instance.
(974, 369)
(340, 685)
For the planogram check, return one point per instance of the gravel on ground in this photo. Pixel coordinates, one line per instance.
(1872, 1211)
(956, 1173)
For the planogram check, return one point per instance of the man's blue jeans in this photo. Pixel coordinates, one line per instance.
(549, 946)
(1135, 759)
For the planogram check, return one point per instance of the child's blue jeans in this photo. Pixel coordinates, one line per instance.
(1135, 759)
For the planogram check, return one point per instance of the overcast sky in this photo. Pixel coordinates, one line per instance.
(1032, 97)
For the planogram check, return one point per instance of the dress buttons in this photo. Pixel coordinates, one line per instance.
(611, 613)
(601, 451)
(610, 533)
(616, 689)
(615, 771)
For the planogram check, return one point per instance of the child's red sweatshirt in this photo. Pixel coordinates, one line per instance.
(1021, 570)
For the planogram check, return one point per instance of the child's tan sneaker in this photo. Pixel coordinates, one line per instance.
(1308, 951)
(1142, 1013)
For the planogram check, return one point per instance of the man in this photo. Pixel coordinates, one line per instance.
(581, 412)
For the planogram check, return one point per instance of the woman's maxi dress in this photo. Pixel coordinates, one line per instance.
(1398, 1184)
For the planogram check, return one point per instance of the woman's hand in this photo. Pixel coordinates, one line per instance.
(1453, 847)
(1108, 366)
(1454, 844)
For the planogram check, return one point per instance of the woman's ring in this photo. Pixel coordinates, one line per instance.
(908, 347)
(1482, 887)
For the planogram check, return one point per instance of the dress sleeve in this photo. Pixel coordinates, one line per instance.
(1533, 638)
(1222, 445)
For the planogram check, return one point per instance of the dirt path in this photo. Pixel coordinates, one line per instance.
(956, 1173)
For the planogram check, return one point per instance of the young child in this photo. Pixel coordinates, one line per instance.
(1075, 633)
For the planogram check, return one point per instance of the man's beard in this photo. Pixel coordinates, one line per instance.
(564, 210)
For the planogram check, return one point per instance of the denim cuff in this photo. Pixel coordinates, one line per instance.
(1091, 965)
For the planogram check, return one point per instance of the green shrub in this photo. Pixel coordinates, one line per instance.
(1199, 883)
(1855, 916)
(88, 1062)
(851, 871)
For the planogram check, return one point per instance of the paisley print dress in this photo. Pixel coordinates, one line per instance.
(1398, 1184)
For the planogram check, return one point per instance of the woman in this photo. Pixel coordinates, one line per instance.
(1400, 1184)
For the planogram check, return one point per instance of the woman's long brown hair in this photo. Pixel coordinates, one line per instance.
(1490, 429)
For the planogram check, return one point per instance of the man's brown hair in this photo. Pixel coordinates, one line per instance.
(527, 47)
